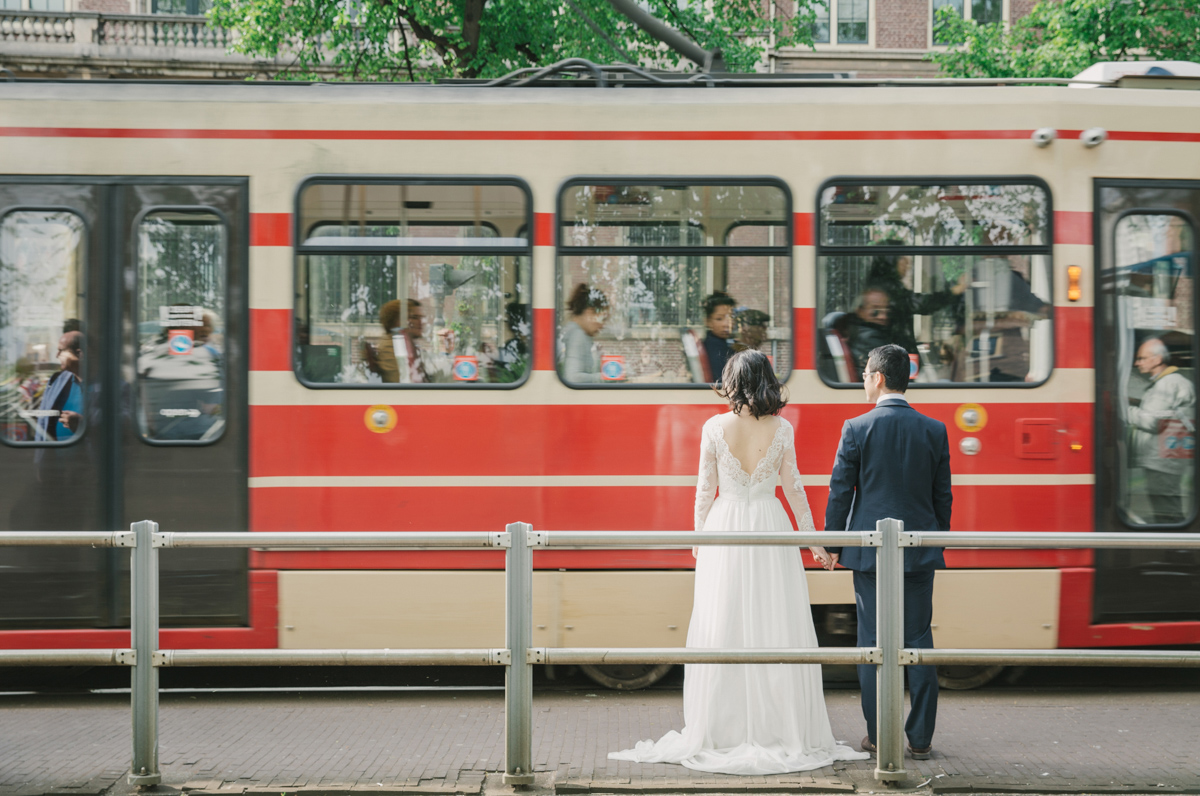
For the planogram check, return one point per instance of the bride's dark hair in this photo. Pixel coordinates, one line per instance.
(748, 382)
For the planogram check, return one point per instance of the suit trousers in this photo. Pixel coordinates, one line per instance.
(918, 634)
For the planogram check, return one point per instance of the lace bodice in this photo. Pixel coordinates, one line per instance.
(721, 471)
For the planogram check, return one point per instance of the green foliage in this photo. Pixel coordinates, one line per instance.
(360, 39)
(1061, 38)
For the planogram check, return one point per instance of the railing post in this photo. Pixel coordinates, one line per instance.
(889, 676)
(143, 589)
(518, 683)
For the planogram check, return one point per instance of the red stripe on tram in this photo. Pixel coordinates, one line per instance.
(564, 135)
(1073, 226)
(270, 229)
(270, 339)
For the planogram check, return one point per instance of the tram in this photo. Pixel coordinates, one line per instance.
(286, 307)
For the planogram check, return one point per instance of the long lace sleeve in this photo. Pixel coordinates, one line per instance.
(706, 483)
(793, 489)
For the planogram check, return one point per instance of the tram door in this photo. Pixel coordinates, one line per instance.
(1146, 383)
(122, 392)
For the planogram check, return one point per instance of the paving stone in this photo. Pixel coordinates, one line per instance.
(440, 744)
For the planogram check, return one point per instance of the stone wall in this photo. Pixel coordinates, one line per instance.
(106, 6)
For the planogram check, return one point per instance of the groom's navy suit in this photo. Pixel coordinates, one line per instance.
(894, 462)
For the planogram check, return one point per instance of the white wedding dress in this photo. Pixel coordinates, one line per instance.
(750, 719)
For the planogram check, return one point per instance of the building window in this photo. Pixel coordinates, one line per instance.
(413, 283)
(660, 281)
(842, 22)
(33, 5)
(193, 7)
(957, 274)
(984, 12)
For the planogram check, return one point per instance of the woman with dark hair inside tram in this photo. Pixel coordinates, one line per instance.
(588, 307)
(750, 719)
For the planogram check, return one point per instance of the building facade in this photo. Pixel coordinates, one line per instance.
(884, 38)
(100, 39)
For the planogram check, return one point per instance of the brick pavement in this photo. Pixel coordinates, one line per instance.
(411, 742)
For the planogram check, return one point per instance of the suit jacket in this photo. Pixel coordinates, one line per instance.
(891, 462)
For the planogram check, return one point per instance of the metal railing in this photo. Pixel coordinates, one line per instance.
(518, 541)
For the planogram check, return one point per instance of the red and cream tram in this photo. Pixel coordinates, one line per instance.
(310, 307)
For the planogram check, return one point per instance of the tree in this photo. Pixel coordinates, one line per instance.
(365, 39)
(1061, 38)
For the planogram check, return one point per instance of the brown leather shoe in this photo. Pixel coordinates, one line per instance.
(920, 754)
(867, 746)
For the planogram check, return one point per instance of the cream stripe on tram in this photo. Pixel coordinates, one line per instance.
(539, 481)
(280, 388)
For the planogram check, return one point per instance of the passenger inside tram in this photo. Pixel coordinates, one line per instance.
(1162, 421)
(587, 311)
(61, 404)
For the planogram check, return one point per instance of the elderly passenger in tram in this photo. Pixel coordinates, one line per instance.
(1169, 404)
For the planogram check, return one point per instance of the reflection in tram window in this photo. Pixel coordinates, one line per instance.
(41, 327)
(180, 327)
(413, 284)
(894, 267)
(660, 283)
(1156, 363)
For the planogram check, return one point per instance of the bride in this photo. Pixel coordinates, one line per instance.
(750, 719)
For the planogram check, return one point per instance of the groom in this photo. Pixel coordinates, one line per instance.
(893, 462)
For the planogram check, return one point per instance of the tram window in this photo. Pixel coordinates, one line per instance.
(683, 215)
(42, 327)
(936, 215)
(1156, 366)
(181, 362)
(958, 275)
(413, 283)
(408, 214)
(658, 284)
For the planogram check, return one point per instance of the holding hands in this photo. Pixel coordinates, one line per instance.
(825, 559)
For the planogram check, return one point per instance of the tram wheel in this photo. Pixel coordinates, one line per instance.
(627, 677)
(964, 678)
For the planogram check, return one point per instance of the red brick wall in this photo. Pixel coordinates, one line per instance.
(105, 6)
(903, 24)
(1019, 8)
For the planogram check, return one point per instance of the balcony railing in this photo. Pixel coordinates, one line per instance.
(115, 30)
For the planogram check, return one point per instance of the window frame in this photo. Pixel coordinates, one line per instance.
(834, 43)
(300, 250)
(83, 279)
(1120, 511)
(787, 249)
(136, 302)
(1005, 20)
(822, 249)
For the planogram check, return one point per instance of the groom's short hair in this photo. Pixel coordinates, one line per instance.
(893, 362)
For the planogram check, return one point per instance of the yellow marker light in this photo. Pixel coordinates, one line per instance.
(1075, 446)
(380, 419)
(970, 418)
(1074, 293)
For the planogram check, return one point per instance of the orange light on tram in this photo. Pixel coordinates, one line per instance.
(1073, 290)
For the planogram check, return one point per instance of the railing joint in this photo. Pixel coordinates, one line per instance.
(872, 539)
(162, 540)
(124, 539)
(910, 657)
(502, 539)
(874, 655)
(538, 538)
(501, 657)
(160, 658)
(126, 657)
(535, 655)
(909, 539)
